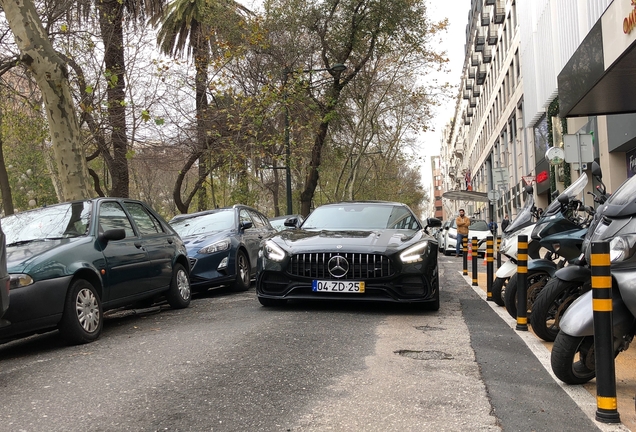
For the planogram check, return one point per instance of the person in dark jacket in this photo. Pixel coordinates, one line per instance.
(505, 222)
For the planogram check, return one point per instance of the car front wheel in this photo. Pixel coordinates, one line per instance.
(82, 319)
(242, 281)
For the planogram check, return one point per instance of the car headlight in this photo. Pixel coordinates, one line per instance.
(19, 281)
(273, 251)
(414, 253)
(215, 247)
(622, 247)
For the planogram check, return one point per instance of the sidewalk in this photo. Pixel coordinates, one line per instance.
(625, 370)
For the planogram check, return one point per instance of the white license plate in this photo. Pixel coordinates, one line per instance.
(338, 286)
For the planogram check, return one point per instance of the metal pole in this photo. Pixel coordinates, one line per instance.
(606, 407)
(489, 267)
(522, 283)
(465, 255)
(474, 258)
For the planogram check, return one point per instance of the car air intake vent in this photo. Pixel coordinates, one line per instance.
(193, 261)
(351, 266)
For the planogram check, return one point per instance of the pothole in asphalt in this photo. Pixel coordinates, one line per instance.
(424, 355)
(428, 328)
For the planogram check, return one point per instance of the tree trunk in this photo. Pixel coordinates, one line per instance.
(51, 76)
(111, 15)
(5, 188)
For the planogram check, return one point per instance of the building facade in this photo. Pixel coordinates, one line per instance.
(540, 74)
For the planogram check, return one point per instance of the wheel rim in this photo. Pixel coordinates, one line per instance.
(535, 284)
(556, 313)
(87, 309)
(244, 273)
(584, 362)
(183, 285)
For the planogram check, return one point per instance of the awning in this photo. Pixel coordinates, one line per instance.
(465, 195)
(598, 79)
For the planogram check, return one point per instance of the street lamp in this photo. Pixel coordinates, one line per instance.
(338, 67)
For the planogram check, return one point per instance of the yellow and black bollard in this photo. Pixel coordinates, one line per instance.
(489, 269)
(498, 253)
(465, 255)
(606, 407)
(522, 283)
(474, 247)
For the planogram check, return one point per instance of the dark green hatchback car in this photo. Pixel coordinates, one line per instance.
(69, 263)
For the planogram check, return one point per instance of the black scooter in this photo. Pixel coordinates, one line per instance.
(572, 357)
(567, 284)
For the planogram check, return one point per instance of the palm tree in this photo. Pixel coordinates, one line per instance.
(195, 27)
(111, 22)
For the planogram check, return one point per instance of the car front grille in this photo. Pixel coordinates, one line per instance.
(361, 265)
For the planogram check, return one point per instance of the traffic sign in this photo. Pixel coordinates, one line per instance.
(528, 180)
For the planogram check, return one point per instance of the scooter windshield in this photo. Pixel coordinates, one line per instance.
(525, 216)
(572, 191)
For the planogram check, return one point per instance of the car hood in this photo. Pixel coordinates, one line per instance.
(377, 241)
(22, 257)
(196, 242)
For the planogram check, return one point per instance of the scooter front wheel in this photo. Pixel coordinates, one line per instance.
(551, 304)
(572, 358)
(536, 280)
(499, 290)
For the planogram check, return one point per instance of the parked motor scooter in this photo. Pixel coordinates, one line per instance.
(521, 225)
(572, 355)
(560, 229)
(566, 285)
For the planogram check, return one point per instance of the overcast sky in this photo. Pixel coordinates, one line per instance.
(457, 13)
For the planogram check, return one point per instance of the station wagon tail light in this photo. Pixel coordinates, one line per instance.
(19, 281)
(414, 253)
(273, 251)
(215, 247)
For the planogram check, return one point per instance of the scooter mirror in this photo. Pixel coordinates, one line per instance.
(529, 190)
(555, 194)
(596, 170)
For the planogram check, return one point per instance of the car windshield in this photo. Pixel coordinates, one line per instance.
(201, 224)
(48, 223)
(361, 216)
(478, 225)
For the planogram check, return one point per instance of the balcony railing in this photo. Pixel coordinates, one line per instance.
(485, 19)
(500, 12)
(493, 35)
(477, 91)
(487, 55)
(473, 102)
(466, 95)
(475, 60)
(471, 72)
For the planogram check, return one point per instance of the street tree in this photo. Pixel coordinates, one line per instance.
(51, 75)
(198, 29)
(350, 32)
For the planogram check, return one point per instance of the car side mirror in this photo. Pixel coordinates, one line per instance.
(245, 225)
(112, 234)
(291, 222)
(433, 223)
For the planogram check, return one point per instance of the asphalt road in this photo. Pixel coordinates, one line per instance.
(228, 364)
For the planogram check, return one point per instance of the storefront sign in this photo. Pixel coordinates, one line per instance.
(630, 21)
(630, 156)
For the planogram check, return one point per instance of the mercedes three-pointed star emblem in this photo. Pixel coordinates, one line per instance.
(338, 266)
